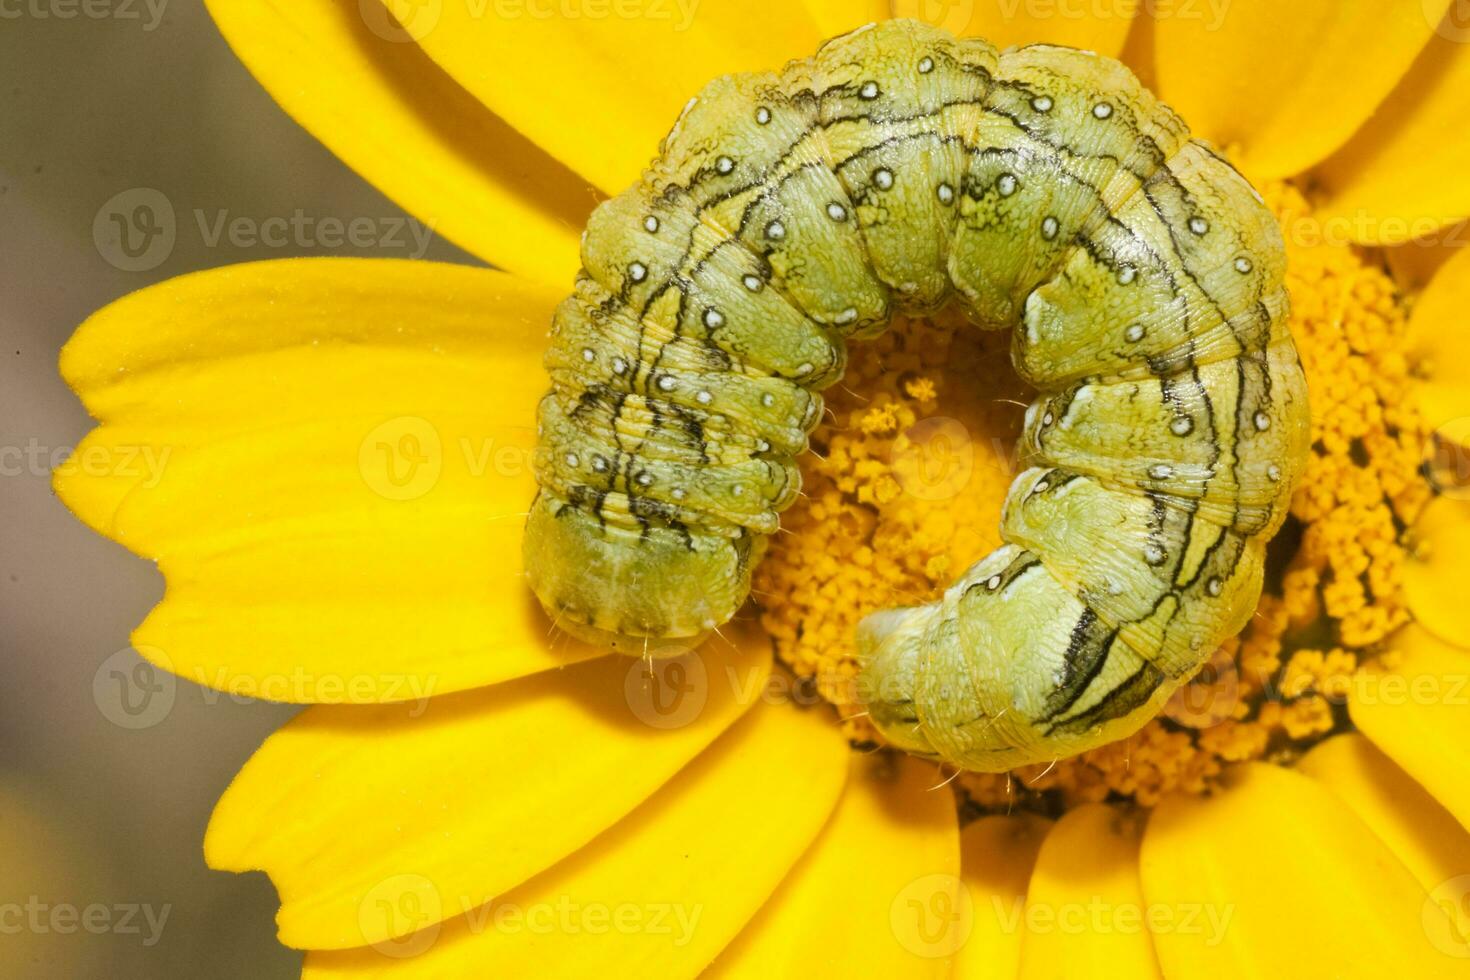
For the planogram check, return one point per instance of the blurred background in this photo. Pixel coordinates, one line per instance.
(130, 138)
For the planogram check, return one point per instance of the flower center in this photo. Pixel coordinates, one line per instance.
(903, 491)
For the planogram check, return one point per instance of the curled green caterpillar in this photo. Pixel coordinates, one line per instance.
(900, 169)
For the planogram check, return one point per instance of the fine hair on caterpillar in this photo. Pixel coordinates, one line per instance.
(1040, 189)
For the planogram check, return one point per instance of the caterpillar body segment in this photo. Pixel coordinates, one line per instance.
(900, 169)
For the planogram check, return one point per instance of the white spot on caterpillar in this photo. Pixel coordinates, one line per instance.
(1041, 487)
(1262, 421)
(1134, 333)
(1161, 471)
(847, 316)
(1049, 227)
(752, 283)
(619, 365)
(1048, 419)
(679, 493)
(803, 368)
(599, 463)
(869, 91)
(1182, 426)
(1007, 184)
(713, 318)
(704, 397)
(637, 271)
(572, 460)
(993, 583)
(926, 65)
(1042, 103)
(589, 355)
(1198, 225)
(763, 115)
(768, 399)
(1243, 265)
(883, 178)
(644, 479)
(738, 489)
(1153, 554)
(1273, 472)
(724, 165)
(1102, 110)
(775, 231)
(1127, 274)
(650, 225)
(946, 194)
(1214, 586)
(836, 212)
(667, 383)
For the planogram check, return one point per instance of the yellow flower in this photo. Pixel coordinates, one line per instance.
(348, 447)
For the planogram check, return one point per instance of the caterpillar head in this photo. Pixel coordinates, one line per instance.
(628, 588)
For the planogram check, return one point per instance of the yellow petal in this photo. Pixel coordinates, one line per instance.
(1275, 877)
(1438, 570)
(1439, 345)
(879, 892)
(360, 86)
(1139, 51)
(1287, 83)
(599, 90)
(1415, 264)
(1085, 915)
(330, 460)
(1419, 831)
(1402, 176)
(835, 17)
(1100, 27)
(659, 894)
(998, 855)
(465, 797)
(1418, 713)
